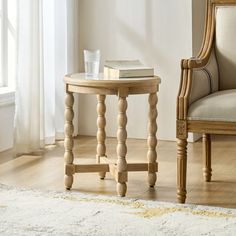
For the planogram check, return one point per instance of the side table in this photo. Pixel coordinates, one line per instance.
(101, 86)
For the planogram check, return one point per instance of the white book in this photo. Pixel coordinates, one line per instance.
(126, 69)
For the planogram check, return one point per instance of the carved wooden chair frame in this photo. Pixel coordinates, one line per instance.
(184, 125)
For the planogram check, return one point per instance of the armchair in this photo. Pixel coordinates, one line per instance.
(206, 100)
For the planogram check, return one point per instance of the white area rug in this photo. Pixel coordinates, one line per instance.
(34, 212)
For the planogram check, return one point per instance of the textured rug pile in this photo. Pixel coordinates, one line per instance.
(35, 212)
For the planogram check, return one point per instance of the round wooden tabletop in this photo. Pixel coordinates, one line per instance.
(100, 81)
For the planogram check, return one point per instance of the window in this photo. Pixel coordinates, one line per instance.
(8, 21)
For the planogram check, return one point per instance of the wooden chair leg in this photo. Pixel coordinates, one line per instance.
(181, 169)
(101, 134)
(206, 141)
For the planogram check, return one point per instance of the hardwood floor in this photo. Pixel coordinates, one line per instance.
(47, 171)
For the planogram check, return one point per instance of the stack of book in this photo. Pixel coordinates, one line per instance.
(126, 69)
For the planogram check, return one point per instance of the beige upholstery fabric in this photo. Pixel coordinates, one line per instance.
(225, 46)
(219, 106)
(205, 80)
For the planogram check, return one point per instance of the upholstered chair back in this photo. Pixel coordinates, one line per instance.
(225, 46)
(205, 80)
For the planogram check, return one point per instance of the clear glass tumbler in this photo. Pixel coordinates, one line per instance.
(91, 62)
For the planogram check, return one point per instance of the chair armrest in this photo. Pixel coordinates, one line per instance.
(193, 62)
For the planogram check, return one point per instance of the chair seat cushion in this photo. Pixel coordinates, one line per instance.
(218, 106)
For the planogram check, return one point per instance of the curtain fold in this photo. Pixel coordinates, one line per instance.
(45, 43)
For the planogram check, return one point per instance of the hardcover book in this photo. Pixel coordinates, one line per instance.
(127, 69)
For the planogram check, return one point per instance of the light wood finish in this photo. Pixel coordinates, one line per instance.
(152, 140)
(101, 134)
(121, 145)
(206, 141)
(86, 168)
(182, 168)
(211, 127)
(79, 83)
(131, 166)
(110, 167)
(183, 125)
(45, 172)
(68, 144)
(144, 84)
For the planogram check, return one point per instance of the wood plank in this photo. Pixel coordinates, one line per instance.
(212, 127)
(91, 90)
(87, 168)
(130, 166)
(137, 166)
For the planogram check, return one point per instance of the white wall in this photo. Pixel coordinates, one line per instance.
(157, 32)
(6, 128)
(7, 110)
(6, 121)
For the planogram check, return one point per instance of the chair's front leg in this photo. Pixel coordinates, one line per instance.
(181, 169)
(206, 141)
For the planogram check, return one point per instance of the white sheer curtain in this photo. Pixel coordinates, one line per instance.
(47, 50)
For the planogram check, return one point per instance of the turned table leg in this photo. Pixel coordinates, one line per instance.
(68, 142)
(206, 141)
(181, 169)
(101, 134)
(121, 147)
(152, 140)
